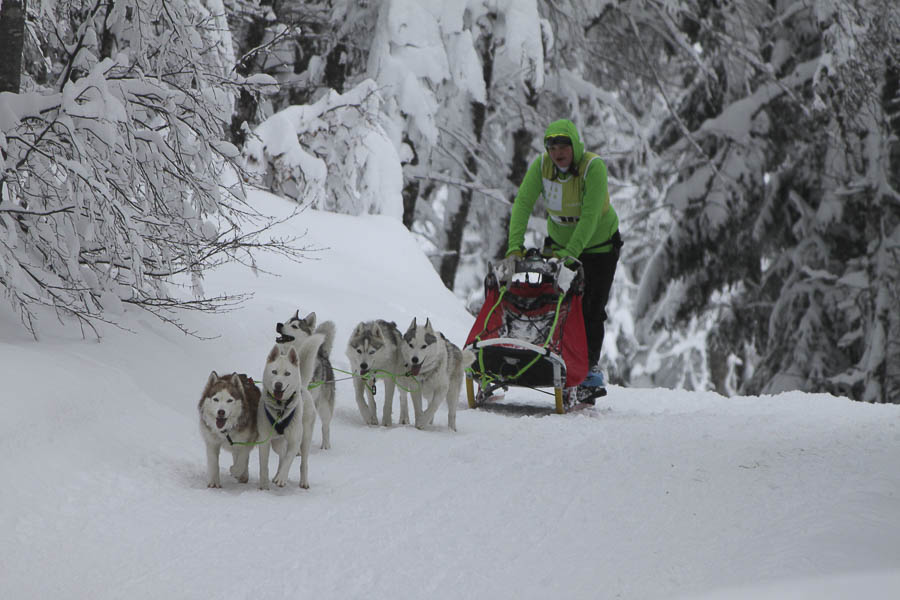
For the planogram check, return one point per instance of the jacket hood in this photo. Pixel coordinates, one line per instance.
(567, 128)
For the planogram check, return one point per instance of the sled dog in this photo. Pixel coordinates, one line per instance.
(294, 332)
(437, 369)
(228, 410)
(287, 412)
(374, 351)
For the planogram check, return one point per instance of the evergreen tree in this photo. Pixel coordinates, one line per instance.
(783, 214)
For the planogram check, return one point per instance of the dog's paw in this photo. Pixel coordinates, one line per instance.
(386, 423)
(263, 486)
(214, 485)
(279, 481)
(241, 476)
(403, 421)
(304, 485)
(325, 446)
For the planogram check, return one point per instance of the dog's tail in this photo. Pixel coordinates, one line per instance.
(327, 329)
(468, 357)
(307, 355)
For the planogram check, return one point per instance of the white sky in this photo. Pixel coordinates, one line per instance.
(654, 494)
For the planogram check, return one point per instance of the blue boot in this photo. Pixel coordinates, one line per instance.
(592, 387)
(594, 378)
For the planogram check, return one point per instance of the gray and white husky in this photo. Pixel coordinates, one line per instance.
(294, 332)
(374, 351)
(228, 411)
(287, 412)
(437, 368)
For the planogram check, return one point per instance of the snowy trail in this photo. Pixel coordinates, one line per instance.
(699, 494)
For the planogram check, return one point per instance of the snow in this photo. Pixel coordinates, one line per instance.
(653, 494)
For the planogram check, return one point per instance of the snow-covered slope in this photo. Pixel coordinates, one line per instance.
(654, 494)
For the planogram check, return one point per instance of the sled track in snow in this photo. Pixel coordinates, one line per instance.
(533, 410)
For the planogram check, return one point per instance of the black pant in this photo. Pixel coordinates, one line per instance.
(599, 271)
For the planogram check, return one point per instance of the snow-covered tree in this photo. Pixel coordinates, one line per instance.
(454, 75)
(114, 182)
(784, 214)
(332, 154)
(450, 77)
(322, 138)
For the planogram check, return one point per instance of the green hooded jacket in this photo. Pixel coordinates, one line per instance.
(580, 217)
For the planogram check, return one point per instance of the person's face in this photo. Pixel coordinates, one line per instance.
(561, 155)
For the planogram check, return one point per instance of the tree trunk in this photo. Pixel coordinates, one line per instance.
(12, 36)
(457, 225)
(410, 195)
(450, 260)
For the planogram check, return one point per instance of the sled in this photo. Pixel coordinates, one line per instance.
(529, 333)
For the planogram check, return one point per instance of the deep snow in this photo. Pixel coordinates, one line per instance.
(653, 494)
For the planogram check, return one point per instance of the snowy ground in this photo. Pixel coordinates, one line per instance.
(654, 494)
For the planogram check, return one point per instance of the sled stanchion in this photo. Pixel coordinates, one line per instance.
(470, 390)
(558, 389)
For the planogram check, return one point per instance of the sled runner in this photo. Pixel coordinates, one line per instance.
(529, 333)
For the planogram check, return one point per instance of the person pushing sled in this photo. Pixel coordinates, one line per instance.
(577, 264)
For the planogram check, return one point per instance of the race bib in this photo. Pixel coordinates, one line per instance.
(553, 192)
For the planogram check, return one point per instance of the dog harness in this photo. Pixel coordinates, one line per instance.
(284, 420)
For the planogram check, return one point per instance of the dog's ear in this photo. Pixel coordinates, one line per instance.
(428, 325)
(296, 314)
(273, 354)
(213, 377)
(311, 320)
(293, 357)
(412, 326)
(376, 331)
(236, 382)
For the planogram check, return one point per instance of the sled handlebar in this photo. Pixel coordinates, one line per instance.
(534, 262)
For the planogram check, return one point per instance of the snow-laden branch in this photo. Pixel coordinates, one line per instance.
(117, 188)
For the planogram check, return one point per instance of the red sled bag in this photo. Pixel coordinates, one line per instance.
(529, 333)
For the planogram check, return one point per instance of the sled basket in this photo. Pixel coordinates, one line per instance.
(513, 362)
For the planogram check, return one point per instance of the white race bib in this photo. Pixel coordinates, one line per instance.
(553, 192)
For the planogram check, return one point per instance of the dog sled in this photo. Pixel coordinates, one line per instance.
(529, 332)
